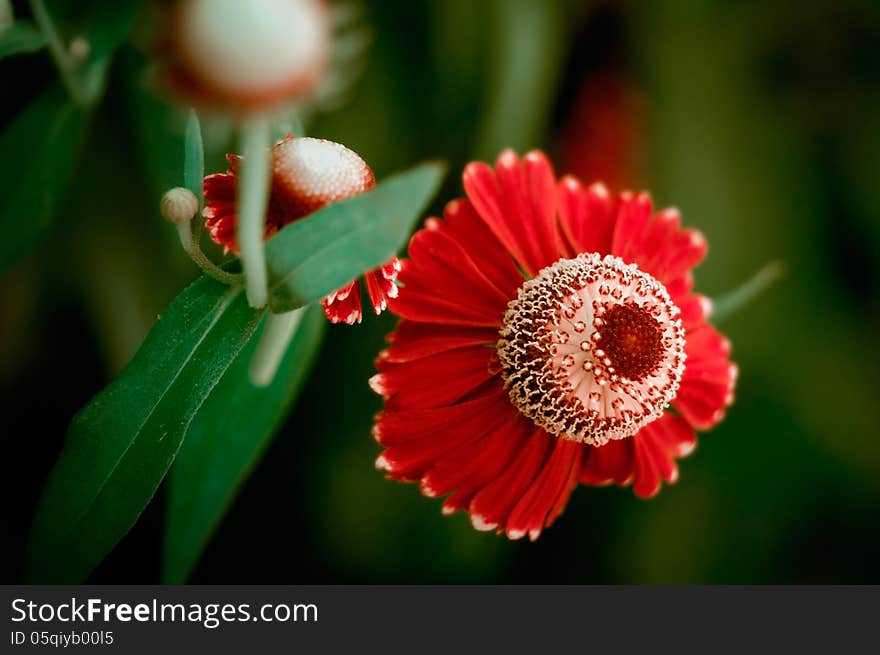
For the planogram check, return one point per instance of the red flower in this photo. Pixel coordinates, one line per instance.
(546, 328)
(307, 174)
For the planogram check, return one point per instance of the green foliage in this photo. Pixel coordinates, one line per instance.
(225, 442)
(528, 58)
(325, 251)
(121, 444)
(39, 150)
(194, 156)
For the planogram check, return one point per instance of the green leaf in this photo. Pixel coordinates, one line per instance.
(21, 36)
(224, 443)
(193, 156)
(158, 127)
(310, 258)
(122, 443)
(529, 49)
(39, 150)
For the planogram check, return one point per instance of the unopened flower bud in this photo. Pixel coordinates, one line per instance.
(179, 205)
(80, 49)
(247, 55)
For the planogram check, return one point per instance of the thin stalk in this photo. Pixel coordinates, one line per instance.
(59, 52)
(734, 300)
(254, 171)
(273, 344)
(190, 244)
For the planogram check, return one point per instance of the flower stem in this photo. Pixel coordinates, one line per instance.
(273, 344)
(734, 300)
(63, 61)
(190, 244)
(253, 197)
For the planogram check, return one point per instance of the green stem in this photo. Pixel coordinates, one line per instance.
(190, 244)
(254, 171)
(273, 344)
(734, 300)
(59, 52)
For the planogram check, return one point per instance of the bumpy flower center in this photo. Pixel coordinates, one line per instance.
(592, 349)
(631, 340)
(308, 174)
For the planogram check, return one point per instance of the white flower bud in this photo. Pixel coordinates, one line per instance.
(179, 205)
(250, 54)
(80, 49)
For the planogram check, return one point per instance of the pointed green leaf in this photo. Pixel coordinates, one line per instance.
(39, 150)
(121, 444)
(310, 258)
(529, 49)
(226, 440)
(193, 156)
(21, 36)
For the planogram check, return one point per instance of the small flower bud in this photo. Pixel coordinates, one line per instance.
(179, 205)
(80, 49)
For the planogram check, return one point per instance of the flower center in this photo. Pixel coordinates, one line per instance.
(309, 174)
(592, 349)
(631, 340)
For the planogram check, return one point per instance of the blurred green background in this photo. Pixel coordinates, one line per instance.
(759, 120)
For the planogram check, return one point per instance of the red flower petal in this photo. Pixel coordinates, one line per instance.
(394, 427)
(471, 466)
(548, 493)
(587, 216)
(657, 445)
(645, 459)
(439, 265)
(219, 186)
(492, 505)
(433, 381)
(417, 440)
(612, 462)
(657, 243)
(380, 285)
(680, 286)
(344, 305)
(709, 378)
(413, 340)
(517, 202)
(499, 449)
(468, 229)
(633, 216)
(420, 303)
(695, 309)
